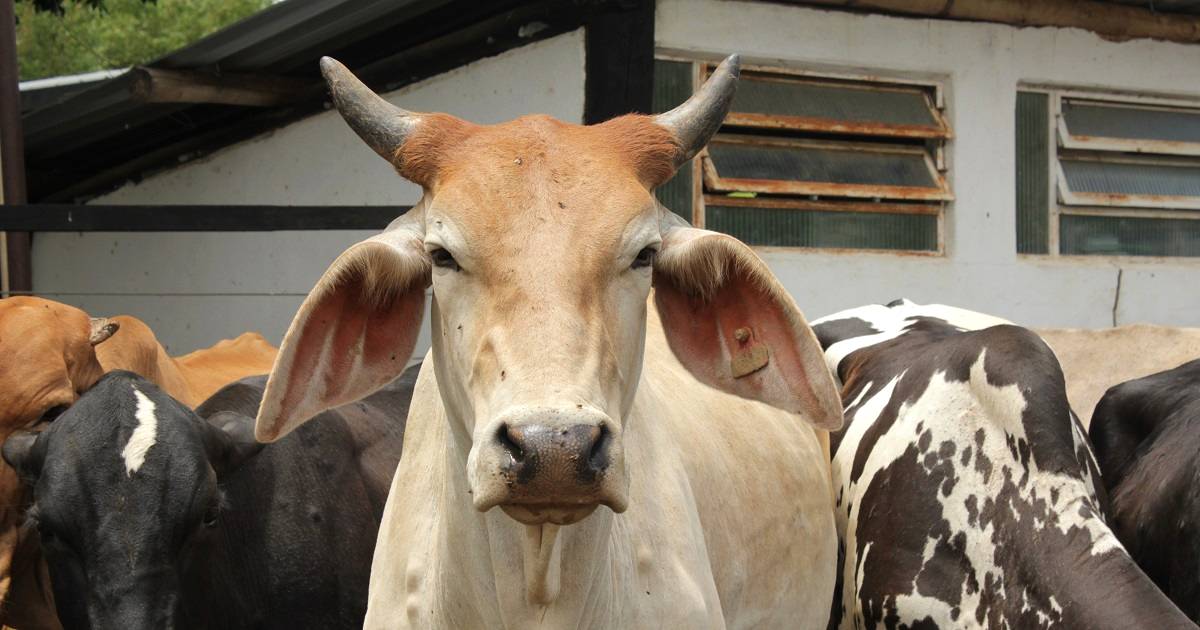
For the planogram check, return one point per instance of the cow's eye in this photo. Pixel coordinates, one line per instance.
(442, 258)
(210, 517)
(51, 414)
(644, 258)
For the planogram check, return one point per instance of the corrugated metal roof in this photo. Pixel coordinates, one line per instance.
(87, 138)
(1164, 6)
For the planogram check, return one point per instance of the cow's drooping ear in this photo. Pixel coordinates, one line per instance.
(735, 328)
(355, 331)
(229, 440)
(101, 329)
(25, 451)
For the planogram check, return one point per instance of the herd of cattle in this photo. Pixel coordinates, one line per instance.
(669, 443)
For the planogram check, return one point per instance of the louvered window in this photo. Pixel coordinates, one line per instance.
(1118, 176)
(808, 160)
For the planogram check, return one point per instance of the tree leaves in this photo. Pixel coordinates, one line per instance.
(57, 37)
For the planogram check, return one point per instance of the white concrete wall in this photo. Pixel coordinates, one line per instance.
(196, 288)
(981, 66)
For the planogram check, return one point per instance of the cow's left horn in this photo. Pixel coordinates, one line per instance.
(380, 124)
(696, 120)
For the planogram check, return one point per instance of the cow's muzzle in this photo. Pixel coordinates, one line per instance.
(552, 466)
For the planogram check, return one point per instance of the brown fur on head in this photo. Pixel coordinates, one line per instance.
(47, 359)
(441, 140)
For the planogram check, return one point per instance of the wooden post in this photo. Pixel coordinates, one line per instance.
(619, 63)
(17, 270)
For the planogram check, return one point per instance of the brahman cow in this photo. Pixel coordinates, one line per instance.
(1147, 436)
(153, 516)
(1095, 360)
(654, 467)
(49, 354)
(966, 490)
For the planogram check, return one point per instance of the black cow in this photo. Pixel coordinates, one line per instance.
(966, 491)
(1147, 437)
(152, 516)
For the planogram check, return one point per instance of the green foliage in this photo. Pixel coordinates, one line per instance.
(88, 36)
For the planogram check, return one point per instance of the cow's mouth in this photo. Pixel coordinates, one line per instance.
(542, 513)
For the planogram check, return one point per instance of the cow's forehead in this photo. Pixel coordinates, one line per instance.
(536, 174)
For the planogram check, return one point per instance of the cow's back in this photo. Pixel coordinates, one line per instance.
(1147, 434)
(302, 515)
(967, 493)
(209, 369)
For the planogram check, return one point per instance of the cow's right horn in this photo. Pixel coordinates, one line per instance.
(695, 121)
(380, 124)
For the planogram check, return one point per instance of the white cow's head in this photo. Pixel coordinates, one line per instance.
(542, 240)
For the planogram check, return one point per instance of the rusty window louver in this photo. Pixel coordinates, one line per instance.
(1127, 155)
(819, 161)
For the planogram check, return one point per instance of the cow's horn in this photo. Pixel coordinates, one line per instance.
(696, 120)
(380, 124)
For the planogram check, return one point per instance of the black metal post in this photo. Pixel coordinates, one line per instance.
(12, 148)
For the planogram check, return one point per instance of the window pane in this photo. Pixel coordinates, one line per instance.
(1132, 179)
(1129, 236)
(672, 86)
(782, 97)
(1092, 119)
(833, 165)
(800, 228)
(1033, 172)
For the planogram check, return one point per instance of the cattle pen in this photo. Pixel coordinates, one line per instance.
(988, 210)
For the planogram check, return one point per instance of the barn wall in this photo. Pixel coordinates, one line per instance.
(981, 66)
(196, 288)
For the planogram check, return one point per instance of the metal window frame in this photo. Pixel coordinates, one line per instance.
(714, 181)
(934, 153)
(940, 130)
(1115, 150)
(1068, 197)
(790, 203)
(1083, 204)
(1069, 140)
(841, 205)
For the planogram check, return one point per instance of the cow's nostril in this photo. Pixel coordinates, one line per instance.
(598, 457)
(511, 440)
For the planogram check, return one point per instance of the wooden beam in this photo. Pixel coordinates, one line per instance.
(156, 85)
(619, 62)
(1114, 22)
(102, 218)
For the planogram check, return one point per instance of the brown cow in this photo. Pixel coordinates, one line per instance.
(49, 354)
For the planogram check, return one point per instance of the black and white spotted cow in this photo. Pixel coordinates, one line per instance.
(966, 491)
(151, 516)
(1147, 436)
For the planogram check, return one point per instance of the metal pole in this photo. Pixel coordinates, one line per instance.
(12, 149)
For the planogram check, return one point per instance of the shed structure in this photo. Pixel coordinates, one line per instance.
(1037, 161)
